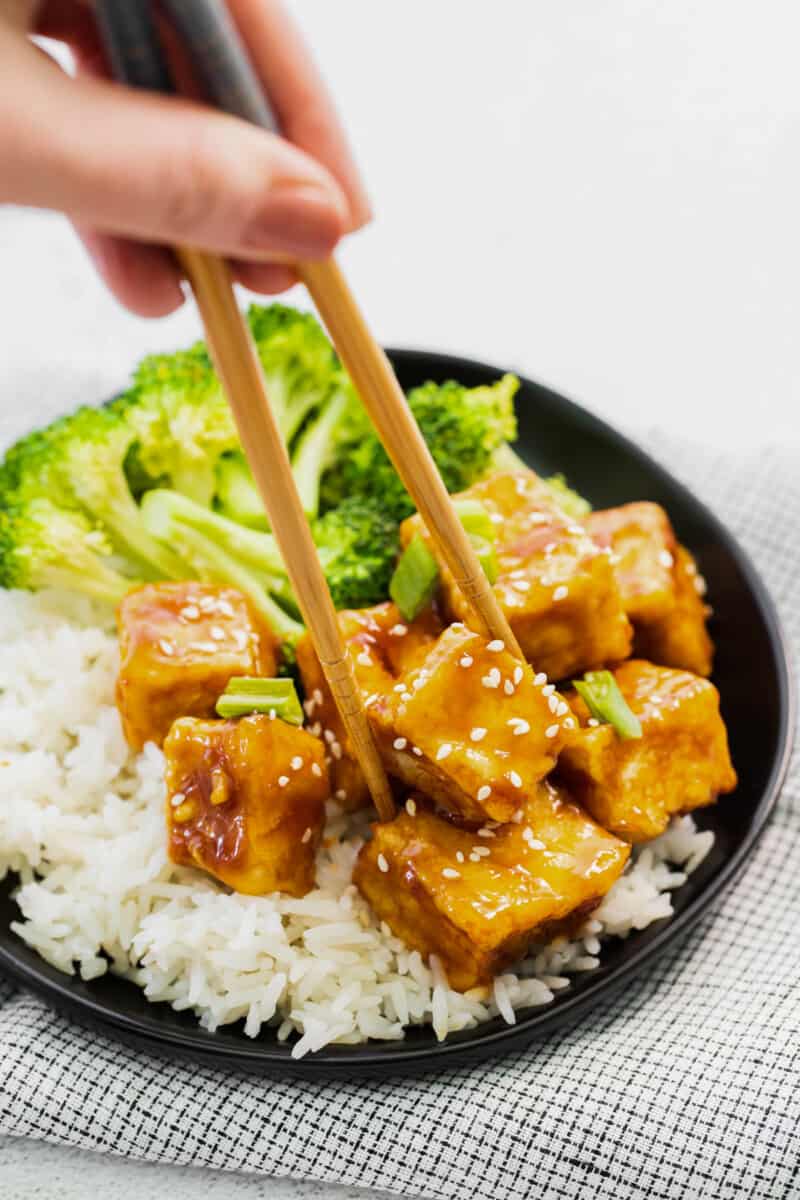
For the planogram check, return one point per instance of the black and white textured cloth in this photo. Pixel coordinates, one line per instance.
(688, 1085)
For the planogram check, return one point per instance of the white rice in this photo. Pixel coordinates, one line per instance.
(81, 821)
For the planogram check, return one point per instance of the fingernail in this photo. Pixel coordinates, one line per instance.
(302, 220)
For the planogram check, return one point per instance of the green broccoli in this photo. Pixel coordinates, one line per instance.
(570, 501)
(463, 427)
(77, 462)
(236, 493)
(358, 546)
(42, 545)
(300, 365)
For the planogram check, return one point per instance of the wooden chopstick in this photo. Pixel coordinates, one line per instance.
(239, 369)
(389, 411)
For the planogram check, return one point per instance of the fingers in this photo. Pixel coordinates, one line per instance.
(145, 279)
(160, 169)
(298, 96)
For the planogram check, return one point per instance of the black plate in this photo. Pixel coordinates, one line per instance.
(555, 435)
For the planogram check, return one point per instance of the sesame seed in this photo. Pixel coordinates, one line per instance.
(443, 751)
(399, 630)
(416, 750)
(551, 731)
(666, 559)
(474, 857)
(548, 689)
(519, 726)
(336, 750)
(466, 660)
(486, 833)
(451, 873)
(508, 688)
(411, 807)
(364, 659)
(496, 518)
(569, 723)
(217, 633)
(593, 722)
(225, 607)
(550, 547)
(418, 683)
(481, 851)
(191, 612)
(308, 707)
(492, 680)
(514, 779)
(178, 798)
(561, 592)
(562, 709)
(317, 695)
(484, 792)
(496, 645)
(400, 687)
(518, 574)
(382, 863)
(306, 836)
(316, 769)
(329, 736)
(517, 816)
(521, 585)
(553, 703)
(540, 680)
(518, 675)
(400, 743)
(576, 529)
(166, 647)
(283, 780)
(296, 763)
(315, 730)
(459, 855)
(477, 734)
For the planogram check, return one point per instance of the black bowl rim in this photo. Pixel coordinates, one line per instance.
(400, 1057)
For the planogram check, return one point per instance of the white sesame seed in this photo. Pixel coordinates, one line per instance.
(398, 630)
(561, 592)
(459, 855)
(217, 633)
(496, 645)
(593, 722)
(316, 769)
(576, 529)
(474, 857)
(443, 751)
(400, 743)
(550, 547)
(411, 807)
(336, 750)
(484, 792)
(296, 763)
(315, 730)
(519, 726)
(477, 734)
(178, 798)
(382, 863)
(283, 780)
(551, 731)
(540, 680)
(496, 518)
(317, 694)
(329, 736)
(400, 687)
(562, 709)
(553, 703)
(225, 607)
(364, 659)
(518, 675)
(191, 612)
(166, 647)
(466, 660)
(416, 750)
(517, 816)
(521, 585)
(486, 833)
(451, 873)
(418, 683)
(666, 559)
(306, 836)
(308, 707)
(548, 689)
(492, 680)
(481, 851)
(514, 779)
(569, 723)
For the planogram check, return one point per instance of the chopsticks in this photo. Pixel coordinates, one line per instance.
(224, 68)
(127, 29)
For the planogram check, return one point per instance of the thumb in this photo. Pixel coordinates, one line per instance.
(159, 169)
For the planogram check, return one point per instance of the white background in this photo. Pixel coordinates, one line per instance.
(602, 195)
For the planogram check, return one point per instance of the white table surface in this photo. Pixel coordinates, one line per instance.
(602, 195)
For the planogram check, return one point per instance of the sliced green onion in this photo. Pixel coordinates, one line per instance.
(570, 501)
(415, 578)
(475, 518)
(600, 692)
(245, 694)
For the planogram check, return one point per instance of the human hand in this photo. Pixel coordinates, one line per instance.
(136, 172)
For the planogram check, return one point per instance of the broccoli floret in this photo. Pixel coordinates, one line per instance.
(42, 545)
(300, 365)
(181, 421)
(463, 427)
(249, 561)
(77, 462)
(358, 546)
(332, 431)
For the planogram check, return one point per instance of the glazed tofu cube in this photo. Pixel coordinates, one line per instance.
(478, 903)
(556, 589)
(180, 643)
(246, 802)
(472, 727)
(681, 762)
(661, 589)
(381, 646)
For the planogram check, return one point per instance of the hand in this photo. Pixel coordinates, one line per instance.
(137, 172)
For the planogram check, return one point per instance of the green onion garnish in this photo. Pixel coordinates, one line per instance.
(245, 694)
(600, 693)
(568, 500)
(415, 578)
(475, 518)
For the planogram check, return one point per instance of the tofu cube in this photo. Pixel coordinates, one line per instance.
(246, 802)
(473, 728)
(381, 646)
(681, 762)
(556, 589)
(180, 643)
(479, 903)
(661, 589)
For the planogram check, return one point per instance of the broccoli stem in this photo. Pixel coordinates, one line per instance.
(162, 506)
(315, 451)
(237, 495)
